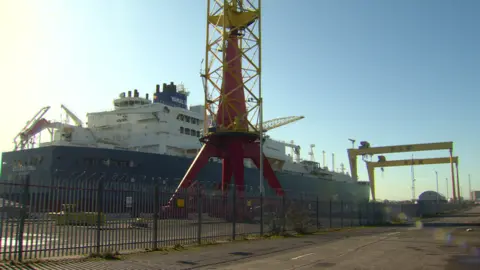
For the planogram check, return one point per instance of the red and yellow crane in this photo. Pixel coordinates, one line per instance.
(382, 162)
(365, 149)
(233, 94)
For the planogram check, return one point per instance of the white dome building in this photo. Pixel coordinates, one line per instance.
(431, 196)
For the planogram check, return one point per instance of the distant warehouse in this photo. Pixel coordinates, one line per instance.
(476, 195)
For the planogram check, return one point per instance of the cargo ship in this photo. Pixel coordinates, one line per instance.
(156, 139)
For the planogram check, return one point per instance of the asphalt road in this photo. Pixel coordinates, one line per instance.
(424, 246)
(414, 249)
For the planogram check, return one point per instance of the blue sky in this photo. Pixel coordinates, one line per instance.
(389, 72)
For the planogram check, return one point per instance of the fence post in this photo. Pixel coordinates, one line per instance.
(317, 214)
(261, 213)
(350, 216)
(359, 206)
(330, 213)
(374, 213)
(284, 211)
(341, 214)
(367, 212)
(234, 211)
(199, 212)
(23, 217)
(156, 209)
(100, 191)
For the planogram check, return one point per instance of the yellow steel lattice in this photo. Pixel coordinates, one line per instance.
(233, 14)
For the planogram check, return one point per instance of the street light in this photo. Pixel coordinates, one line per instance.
(470, 188)
(353, 142)
(436, 180)
(446, 182)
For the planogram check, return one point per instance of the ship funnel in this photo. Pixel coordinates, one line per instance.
(157, 88)
(146, 96)
(129, 93)
(135, 93)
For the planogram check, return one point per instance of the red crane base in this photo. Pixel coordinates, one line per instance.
(232, 148)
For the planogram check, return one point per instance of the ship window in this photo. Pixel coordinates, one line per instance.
(187, 119)
(187, 131)
(181, 129)
(193, 132)
(198, 133)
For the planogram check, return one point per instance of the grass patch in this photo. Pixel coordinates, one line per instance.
(280, 235)
(109, 256)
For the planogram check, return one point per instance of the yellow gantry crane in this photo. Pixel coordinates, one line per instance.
(382, 162)
(366, 150)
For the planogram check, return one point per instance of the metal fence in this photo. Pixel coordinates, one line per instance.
(86, 214)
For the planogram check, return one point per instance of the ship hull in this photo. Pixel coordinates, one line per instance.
(54, 164)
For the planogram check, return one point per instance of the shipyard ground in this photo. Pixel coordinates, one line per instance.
(451, 242)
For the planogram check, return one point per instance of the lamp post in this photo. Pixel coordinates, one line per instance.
(353, 142)
(324, 162)
(470, 188)
(446, 182)
(436, 180)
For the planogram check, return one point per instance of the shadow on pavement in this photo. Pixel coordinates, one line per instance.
(451, 224)
(456, 215)
(463, 262)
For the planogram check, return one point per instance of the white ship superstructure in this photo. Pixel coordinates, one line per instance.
(161, 125)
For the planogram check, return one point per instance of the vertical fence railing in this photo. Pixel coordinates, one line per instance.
(99, 202)
(98, 213)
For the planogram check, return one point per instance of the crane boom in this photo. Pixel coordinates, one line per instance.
(22, 137)
(401, 148)
(410, 162)
(75, 119)
(278, 122)
(406, 162)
